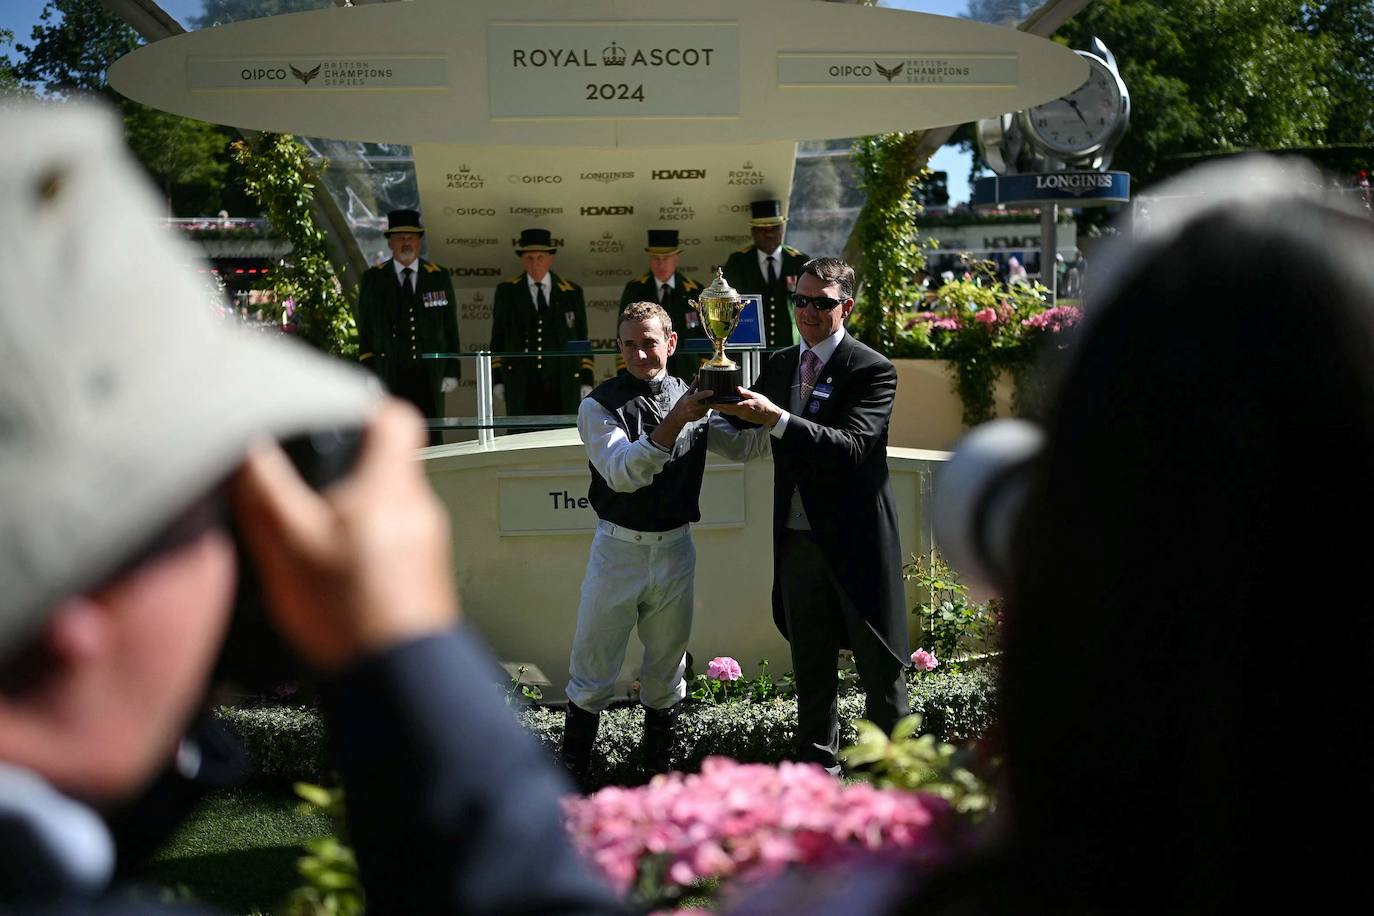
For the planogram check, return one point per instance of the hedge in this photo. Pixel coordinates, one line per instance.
(288, 743)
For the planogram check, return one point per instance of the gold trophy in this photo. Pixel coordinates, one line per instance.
(720, 308)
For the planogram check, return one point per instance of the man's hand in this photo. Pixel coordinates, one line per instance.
(498, 392)
(360, 567)
(754, 407)
(586, 390)
(448, 385)
(689, 407)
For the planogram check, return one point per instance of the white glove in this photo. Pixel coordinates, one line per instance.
(498, 391)
(448, 385)
(586, 390)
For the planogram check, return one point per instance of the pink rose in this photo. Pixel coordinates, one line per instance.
(986, 316)
(924, 661)
(723, 668)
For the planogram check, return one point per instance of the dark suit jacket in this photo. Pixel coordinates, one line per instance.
(516, 326)
(685, 320)
(742, 272)
(837, 458)
(384, 340)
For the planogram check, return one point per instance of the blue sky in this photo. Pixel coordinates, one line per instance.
(20, 16)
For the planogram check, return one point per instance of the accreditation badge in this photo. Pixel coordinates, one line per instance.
(571, 319)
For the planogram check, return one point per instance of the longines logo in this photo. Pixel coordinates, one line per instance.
(536, 211)
(535, 179)
(607, 244)
(553, 243)
(608, 211)
(471, 242)
(606, 177)
(677, 174)
(476, 271)
(465, 179)
(613, 55)
(746, 174)
(329, 73)
(678, 212)
(469, 211)
(1075, 183)
(612, 272)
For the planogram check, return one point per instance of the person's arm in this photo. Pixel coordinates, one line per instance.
(365, 316)
(629, 465)
(735, 443)
(448, 800)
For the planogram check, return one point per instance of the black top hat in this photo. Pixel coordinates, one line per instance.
(535, 240)
(403, 221)
(766, 213)
(663, 241)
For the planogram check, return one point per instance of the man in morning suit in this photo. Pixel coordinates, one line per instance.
(406, 307)
(671, 290)
(537, 312)
(769, 268)
(837, 562)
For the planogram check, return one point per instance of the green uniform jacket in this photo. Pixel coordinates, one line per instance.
(387, 338)
(686, 321)
(742, 272)
(516, 327)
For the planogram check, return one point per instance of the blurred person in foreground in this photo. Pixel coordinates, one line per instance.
(133, 426)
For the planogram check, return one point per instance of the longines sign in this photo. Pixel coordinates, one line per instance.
(600, 69)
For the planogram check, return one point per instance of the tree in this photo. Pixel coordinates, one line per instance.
(74, 44)
(1000, 12)
(1351, 75)
(10, 85)
(222, 12)
(1213, 75)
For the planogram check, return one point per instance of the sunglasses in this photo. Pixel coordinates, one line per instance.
(819, 303)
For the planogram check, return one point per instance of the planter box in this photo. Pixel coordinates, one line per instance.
(927, 413)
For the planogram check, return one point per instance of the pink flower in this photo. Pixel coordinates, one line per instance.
(1054, 320)
(945, 324)
(986, 316)
(924, 661)
(723, 668)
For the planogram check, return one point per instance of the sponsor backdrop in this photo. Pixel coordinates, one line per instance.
(599, 204)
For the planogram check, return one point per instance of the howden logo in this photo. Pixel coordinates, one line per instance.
(477, 271)
(677, 174)
(608, 211)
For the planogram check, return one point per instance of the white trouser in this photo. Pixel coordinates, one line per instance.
(634, 579)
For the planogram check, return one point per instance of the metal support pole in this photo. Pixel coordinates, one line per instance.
(485, 434)
(1049, 247)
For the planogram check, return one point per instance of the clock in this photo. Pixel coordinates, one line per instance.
(1083, 127)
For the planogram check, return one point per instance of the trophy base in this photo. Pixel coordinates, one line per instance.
(724, 382)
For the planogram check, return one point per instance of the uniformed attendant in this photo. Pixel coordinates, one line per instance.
(671, 290)
(537, 312)
(406, 307)
(769, 268)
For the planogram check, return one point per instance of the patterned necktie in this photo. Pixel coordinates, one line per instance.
(772, 274)
(663, 295)
(810, 372)
(541, 302)
(405, 280)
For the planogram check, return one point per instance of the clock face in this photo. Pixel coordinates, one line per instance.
(1083, 120)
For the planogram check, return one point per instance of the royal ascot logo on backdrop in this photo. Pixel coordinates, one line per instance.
(553, 243)
(612, 55)
(465, 179)
(606, 177)
(536, 211)
(677, 174)
(535, 179)
(479, 309)
(608, 211)
(471, 242)
(746, 174)
(607, 244)
(677, 212)
(469, 211)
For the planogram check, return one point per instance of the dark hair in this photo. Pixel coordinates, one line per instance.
(643, 311)
(832, 270)
(1190, 630)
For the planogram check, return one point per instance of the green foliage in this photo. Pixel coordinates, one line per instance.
(329, 868)
(179, 153)
(918, 762)
(1216, 75)
(73, 45)
(285, 743)
(222, 12)
(11, 88)
(309, 298)
(952, 625)
(759, 689)
(519, 691)
(886, 234)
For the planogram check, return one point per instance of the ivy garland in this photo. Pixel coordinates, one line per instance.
(308, 296)
(886, 233)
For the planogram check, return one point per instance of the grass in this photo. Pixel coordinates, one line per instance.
(237, 851)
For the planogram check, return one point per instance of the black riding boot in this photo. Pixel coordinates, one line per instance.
(659, 734)
(579, 734)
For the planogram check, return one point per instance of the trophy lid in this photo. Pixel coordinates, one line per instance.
(720, 289)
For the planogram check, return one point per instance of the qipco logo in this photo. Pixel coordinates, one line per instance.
(842, 70)
(257, 74)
